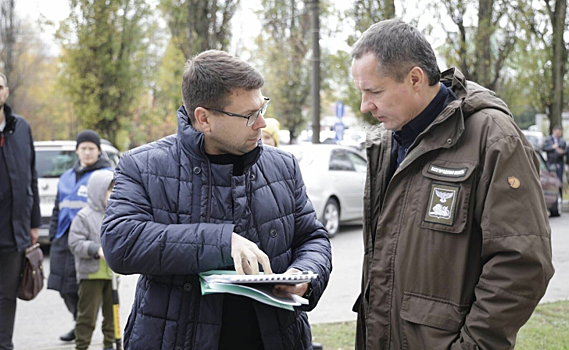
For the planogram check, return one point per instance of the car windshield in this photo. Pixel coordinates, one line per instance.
(54, 163)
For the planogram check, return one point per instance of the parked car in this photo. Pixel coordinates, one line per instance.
(552, 187)
(53, 158)
(334, 177)
(535, 138)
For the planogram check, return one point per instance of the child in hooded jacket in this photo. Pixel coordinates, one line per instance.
(93, 274)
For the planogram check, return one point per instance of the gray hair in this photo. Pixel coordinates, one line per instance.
(5, 79)
(398, 47)
(210, 77)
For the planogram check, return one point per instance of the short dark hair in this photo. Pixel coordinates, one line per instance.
(398, 47)
(210, 77)
(557, 127)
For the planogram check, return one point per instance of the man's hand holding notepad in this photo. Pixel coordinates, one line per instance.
(259, 287)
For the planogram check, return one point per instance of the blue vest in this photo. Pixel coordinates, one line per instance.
(72, 197)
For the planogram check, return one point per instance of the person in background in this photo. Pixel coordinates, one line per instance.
(213, 197)
(20, 215)
(456, 232)
(71, 198)
(270, 133)
(556, 149)
(93, 274)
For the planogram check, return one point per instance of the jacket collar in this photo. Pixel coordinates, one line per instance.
(99, 164)
(190, 139)
(10, 119)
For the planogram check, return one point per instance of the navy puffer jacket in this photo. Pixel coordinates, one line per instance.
(171, 216)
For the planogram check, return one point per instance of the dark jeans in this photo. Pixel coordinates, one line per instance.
(93, 293)
(10, 269)
(558, 169)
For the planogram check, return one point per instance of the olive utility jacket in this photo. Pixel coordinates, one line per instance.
(457, 243)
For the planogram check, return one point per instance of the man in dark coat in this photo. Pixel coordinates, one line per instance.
(457, 239)
(556, 149)
(19, 207)
(71, 198)
(212, 197)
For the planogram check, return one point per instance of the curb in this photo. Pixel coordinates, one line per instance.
(566, 206)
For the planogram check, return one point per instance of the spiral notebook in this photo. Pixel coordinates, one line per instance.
(289, 278)
(256, 287)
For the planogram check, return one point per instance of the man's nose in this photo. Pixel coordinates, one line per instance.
(366, 105)
(260, 122)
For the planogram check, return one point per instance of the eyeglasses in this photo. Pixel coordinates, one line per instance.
(251, 118)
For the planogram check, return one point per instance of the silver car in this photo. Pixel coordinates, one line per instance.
(334, 177)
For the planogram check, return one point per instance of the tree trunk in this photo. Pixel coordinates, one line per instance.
(559, 65)
(484, 32)
(388, 9)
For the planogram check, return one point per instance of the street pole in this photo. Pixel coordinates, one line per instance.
(315, 73)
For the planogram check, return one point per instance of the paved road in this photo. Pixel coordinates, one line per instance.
(345, 281)
(558, 288)
(40, 322)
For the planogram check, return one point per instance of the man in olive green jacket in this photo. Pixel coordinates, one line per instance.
(456, 233)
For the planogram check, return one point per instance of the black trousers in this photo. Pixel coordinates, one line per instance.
(10, 270)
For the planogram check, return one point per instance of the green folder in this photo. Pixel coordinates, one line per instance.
(260, 292)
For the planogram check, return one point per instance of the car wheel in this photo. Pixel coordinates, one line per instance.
(557, 209)
(331, 217)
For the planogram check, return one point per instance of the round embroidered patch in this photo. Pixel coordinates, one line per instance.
(514, 182)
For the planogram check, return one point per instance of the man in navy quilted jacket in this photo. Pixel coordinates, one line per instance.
(212, 197)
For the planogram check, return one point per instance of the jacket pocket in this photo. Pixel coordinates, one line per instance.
(449, 186)
(430, 323)
(88, 266)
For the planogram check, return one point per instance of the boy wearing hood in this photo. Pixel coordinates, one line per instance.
(93, 274)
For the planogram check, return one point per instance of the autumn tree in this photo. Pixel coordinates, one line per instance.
(364, 13)
(199, 25)
(545, 23)
(103, 62)
(22, 54)
(480, 49)
(283, 55)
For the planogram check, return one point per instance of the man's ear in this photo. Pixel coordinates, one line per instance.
(202, 118)
(417, 77)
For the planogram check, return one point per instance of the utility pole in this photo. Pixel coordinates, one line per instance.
(315, 73)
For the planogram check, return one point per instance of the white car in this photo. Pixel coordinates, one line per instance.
(334, 177)
(53, 158)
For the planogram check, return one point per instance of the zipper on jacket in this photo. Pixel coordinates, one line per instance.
(209, 185)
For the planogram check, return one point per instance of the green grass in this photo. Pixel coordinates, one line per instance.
(340, 336)
(547, 329)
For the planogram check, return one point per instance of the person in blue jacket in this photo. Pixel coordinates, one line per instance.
(71, 198)
(19, 207)
(212, 197)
